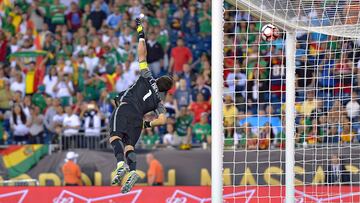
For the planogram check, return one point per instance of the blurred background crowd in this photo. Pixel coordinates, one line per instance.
(327, 80)
(61, 62)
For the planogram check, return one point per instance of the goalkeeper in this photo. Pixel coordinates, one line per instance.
(126, 121)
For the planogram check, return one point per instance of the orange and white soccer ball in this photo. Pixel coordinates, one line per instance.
(269, 32)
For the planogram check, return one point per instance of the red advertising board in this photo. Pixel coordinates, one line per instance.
(175, 194)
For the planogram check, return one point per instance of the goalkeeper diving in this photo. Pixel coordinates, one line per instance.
(126, 121)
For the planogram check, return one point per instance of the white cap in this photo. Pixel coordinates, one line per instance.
(71, 155)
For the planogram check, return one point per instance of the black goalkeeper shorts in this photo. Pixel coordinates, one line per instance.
(125, 124)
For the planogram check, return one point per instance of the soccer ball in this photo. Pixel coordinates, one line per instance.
(269, 32)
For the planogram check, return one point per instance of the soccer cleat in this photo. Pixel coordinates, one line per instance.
(130, 182)
(121, 171)
(140, 29)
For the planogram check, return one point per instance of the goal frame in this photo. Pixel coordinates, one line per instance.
(217, 83)
(217, 105)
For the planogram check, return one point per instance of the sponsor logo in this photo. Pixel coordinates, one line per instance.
(180, 196)
(67, 196)
(241, 194)
(17, 196)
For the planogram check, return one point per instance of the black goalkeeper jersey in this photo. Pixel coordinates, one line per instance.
(143, 95)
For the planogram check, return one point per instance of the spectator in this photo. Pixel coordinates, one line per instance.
(129, 74)
(114, 19)
(353, 107)
(190, 22)
(135, 8)
(336, 172)
(202, 88)
(91, 61)
(183, 126)
(86, 15)
(149, 138)
(182, 94)
(125, 36)
(155, 55)
(4, 44)
(18, 84)
(199, 106)
(336, 112)
(58, 119)
(169, 137)
(97, 16)
(29, 71)
(315, 133)
(92, 123)
(229, 112)
(265, 136)
(49, 124)
(236, 80)
(73, 18)
(205, 19)
(57, 11)
(202, 130)
(36, 127)
(20, 125)
(5, 96)
(188, 76)
(70, 129)
(179, 56)
(155, 173)
(26, 106)
(105, 107)
(80, 50)
(71, 170)
(64, 89)
(333, 135)
(171, 107)
(50, 80)
(249, 137)
(347, 135)
(309, 105)
(71, 122)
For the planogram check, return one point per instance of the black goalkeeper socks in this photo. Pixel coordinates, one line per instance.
(118, 150)
(140, 29)
(131, 160)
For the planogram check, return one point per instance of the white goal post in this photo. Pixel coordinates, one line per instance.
(339, 22)
(216, 107)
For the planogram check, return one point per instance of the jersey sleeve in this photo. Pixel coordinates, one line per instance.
(144, 69)
(146, 73)
(160, 109)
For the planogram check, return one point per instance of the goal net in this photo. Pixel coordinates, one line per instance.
(291, 107)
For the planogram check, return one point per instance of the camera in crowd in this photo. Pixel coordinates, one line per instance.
(90, 111)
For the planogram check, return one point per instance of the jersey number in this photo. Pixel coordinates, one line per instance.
(147, 95)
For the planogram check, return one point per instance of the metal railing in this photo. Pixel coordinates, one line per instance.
(25, 182)
(83, 141)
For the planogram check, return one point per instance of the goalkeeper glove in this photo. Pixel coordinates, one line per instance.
(147, 124)
(139, 28)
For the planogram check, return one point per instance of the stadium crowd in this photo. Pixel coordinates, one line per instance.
(62, 62)
(327, 80)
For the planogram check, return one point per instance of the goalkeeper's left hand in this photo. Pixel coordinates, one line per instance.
(147, 124)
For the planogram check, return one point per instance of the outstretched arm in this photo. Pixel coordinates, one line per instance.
(160, 120)
(141, 49)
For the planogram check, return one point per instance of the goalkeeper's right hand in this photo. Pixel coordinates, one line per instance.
(147, 124)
